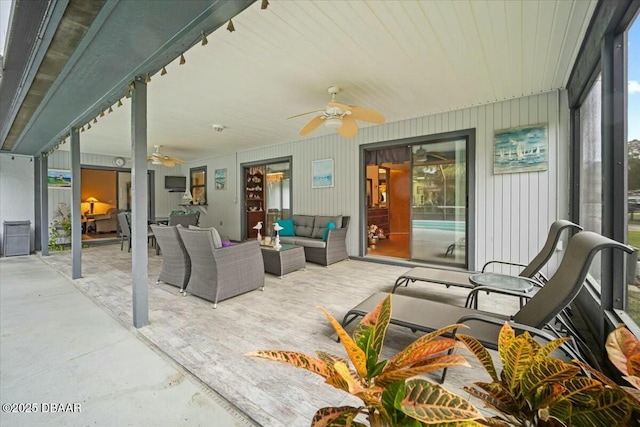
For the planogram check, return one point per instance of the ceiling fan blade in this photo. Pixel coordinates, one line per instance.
(304, 114)
(174, 159)
(349, 128)
(366, 115)
(168, 163)
(311, 125)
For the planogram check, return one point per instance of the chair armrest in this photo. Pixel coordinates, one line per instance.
(534, 332)
(336, 235)
(517, 264)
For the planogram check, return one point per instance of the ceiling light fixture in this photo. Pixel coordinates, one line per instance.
(119, 102)
(230, 26)
(217, 128)
(265, 4)
(148, 78)
(333, 122)
(182, 60)
(89, 126)
(164, 71)
(110, 110)
(95, 120)
(102, 113)
(204, 39)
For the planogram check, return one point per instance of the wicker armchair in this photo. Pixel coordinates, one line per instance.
(221, 273)
(176, 265)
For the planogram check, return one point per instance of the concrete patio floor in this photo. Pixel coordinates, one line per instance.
(210, 343)
(58, 347)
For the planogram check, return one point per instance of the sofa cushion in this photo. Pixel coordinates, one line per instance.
(217, 241)
(287, 227)
(304, 241)
(321, 222)
(303, 225)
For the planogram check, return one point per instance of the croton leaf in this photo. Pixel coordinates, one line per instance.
(579, 390)
(415, 348)
(370, 332)
(560, 410)
(633, 392)
(494, 422)
(621, 345)
(517, 355)
(370, 395)
(496, 396)
(633, 365)
(429, 365)
(355, 353)
(546, 370)
(546, 350)
(596, 374)
(432, 404)
(293, 358)
(505, 336)
(546, 395)
(481, 353)
(611, 407)
(335, 417)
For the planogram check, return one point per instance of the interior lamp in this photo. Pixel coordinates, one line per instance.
(333, 122)
(91, 201)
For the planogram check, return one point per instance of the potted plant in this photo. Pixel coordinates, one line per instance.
(623, 349)
(535, 389)
(390, 397)
(60, 229)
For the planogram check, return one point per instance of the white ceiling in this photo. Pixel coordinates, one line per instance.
(403, 58)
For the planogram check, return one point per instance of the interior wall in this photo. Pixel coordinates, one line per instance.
(16, 193)
(165, 201)
(513, 211)
(100, 184)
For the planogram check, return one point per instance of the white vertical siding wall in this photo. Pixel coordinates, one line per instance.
(513, 211)
(165, 201)
(16, 193)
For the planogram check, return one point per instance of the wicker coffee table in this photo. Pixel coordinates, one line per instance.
(283, 261)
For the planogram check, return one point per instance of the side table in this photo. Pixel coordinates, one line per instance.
(494, 281)
(283, 261)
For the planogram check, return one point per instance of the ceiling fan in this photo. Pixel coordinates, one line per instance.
(340, 117)
(157, 158)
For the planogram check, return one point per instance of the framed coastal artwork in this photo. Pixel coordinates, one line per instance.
(322, 173)
(521, 149)
(220, 179)
(58, 178)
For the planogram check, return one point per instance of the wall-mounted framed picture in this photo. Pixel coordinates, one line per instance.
(521, 149)
(322, 173)
(59, 178)
(220, 179)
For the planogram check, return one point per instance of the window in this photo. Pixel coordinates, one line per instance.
(199, 185)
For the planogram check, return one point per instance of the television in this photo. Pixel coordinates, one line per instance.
(175, 183)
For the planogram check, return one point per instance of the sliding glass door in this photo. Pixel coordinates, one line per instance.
(439, 202)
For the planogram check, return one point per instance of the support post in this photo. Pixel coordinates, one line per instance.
(76, 219)
(140, 197)
(43, 163)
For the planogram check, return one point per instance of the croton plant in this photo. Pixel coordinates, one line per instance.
(533, 389)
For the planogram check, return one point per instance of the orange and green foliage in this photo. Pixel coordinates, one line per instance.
(535, 389)
(389, 396)
(623, 349)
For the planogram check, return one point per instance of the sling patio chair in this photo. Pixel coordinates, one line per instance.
(536, 316)
(176, 265)
(462, 278)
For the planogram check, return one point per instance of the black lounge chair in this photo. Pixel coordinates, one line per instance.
(461, 278)
(536, 316)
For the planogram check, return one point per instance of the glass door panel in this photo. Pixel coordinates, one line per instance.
(439, 207)
(278, 200)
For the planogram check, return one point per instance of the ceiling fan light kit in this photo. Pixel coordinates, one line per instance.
(158, 158)
(340, 117)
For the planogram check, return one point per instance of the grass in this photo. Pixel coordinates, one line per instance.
(634, 291)
(634, 238)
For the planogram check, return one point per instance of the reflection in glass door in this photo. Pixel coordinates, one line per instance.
(439, 208)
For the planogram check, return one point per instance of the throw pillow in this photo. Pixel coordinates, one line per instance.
(287, 227)
(329, 226)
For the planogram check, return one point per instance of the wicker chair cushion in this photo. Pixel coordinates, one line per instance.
(321, 222)
(217, 241)
(303, 225)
